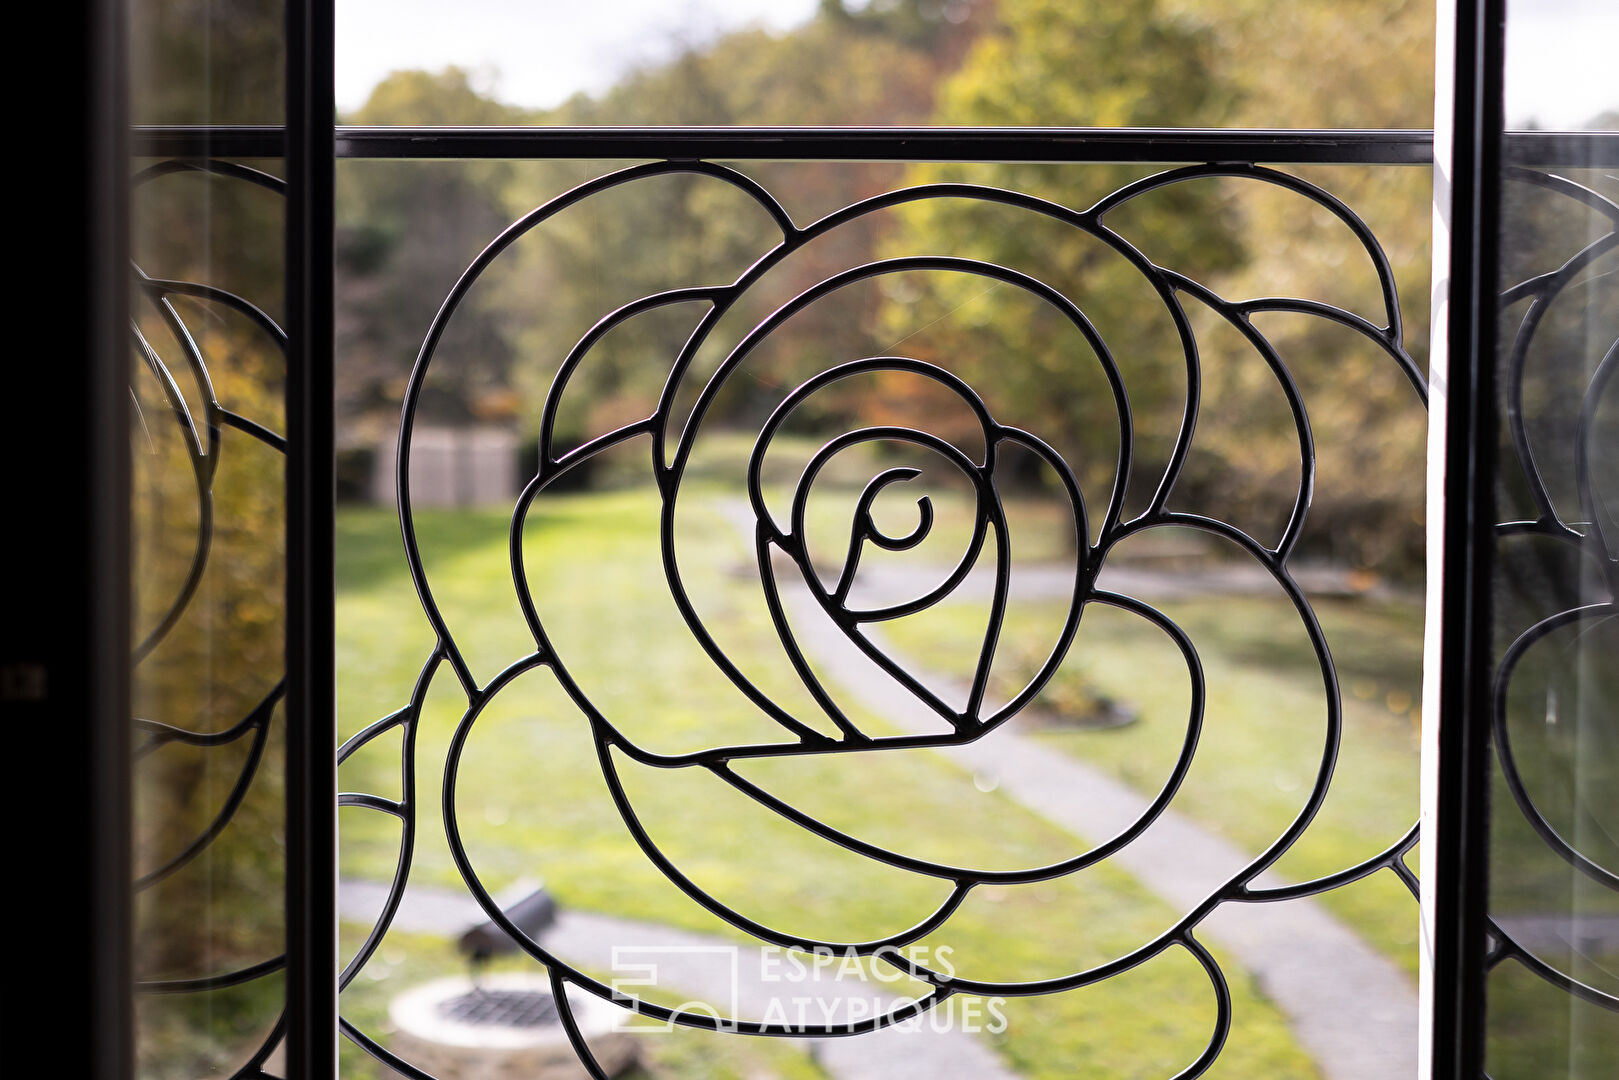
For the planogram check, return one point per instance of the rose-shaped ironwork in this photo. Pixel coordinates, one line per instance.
(1558, 582)
(779, 538)
(178, 539)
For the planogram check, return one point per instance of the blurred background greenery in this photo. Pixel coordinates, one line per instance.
(407, 229)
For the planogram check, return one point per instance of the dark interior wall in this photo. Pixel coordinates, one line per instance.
(63, 640)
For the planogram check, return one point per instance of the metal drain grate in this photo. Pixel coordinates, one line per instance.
(502, 1008)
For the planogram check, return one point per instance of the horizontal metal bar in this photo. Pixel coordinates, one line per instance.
(1126, 145)
(174, 141)
(895, 144)
(817, 144)
(1561, 149)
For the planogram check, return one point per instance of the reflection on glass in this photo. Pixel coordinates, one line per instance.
(206, 61)
(206, 386)
(1553, 990)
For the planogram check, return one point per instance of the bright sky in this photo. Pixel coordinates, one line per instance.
(538, 52)
(541, 51)
(1561, 79)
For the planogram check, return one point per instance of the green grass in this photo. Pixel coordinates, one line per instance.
(1536, 1030)
(184, 1036)
(1559, 711)
(1263, 729)
(532, 802)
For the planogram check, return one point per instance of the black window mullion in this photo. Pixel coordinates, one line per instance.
(1456, 886)
(311, 880)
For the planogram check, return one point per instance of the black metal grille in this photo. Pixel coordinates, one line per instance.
(201, 426)
(200, 422)
(775, 538)
(1231, 155)
(1584, 589)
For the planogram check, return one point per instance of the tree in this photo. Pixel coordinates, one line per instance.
(1047, 62)
(1195, 63)
(207, 61)
(1350, 64)
(840, 68)
(406, 232)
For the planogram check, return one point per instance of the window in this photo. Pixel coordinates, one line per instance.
(978, 254)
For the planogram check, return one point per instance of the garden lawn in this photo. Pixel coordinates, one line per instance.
(1263, 728)
(532, 803)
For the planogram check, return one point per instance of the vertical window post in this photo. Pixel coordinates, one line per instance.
(1458, 658)
(311, 730)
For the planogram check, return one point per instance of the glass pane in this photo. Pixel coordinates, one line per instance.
(1105, 63)
(206, 388)
(1553, 990)
(207, 62)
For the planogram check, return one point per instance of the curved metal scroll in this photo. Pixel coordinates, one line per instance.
(1590, 538)
(200, 422)
(780, 539)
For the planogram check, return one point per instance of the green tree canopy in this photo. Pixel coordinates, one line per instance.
(1112, 64)
(406, 232)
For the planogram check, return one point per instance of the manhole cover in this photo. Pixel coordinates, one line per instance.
(505, 1026)
(502, 1008)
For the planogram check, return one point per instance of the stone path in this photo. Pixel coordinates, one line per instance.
(1353, 1010)
(1591, 935)
(1045, 581)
